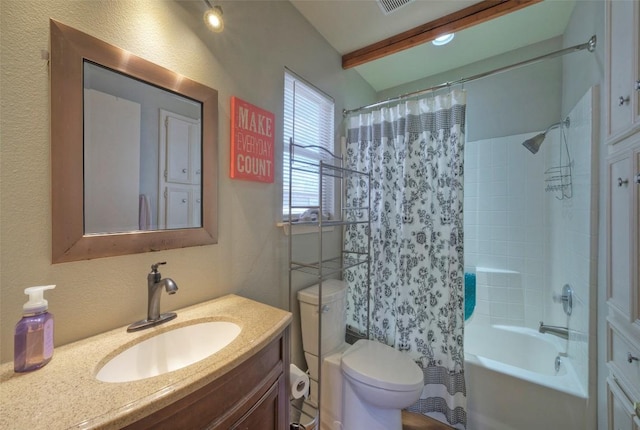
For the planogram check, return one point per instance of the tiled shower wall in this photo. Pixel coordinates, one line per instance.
(525, 243)
(504, 227)
(499, 297)
(572, 236)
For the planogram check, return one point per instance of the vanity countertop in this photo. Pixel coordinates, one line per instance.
(65, 394)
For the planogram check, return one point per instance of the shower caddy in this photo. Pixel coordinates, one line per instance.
(559, 178)
(331, 267)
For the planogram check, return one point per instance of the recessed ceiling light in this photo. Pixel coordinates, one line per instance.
(443, 40)
(213, 18)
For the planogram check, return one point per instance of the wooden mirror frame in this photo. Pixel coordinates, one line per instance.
(69, 49)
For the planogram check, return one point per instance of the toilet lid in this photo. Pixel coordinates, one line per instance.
(381, 366)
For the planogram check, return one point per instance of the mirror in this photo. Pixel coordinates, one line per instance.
(142, 155)
(133, 152)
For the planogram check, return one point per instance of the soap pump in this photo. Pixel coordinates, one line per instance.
(33, 338)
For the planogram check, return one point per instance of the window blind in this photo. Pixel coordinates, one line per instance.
(308, 120)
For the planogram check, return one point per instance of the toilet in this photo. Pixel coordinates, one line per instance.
(364, 385)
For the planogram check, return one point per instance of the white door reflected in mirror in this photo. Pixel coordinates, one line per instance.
(142, 155)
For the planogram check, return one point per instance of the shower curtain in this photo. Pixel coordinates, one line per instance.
(414, 153)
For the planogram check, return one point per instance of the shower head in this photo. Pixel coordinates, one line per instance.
(534, 143)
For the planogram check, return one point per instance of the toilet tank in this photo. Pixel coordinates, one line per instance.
(334, 316)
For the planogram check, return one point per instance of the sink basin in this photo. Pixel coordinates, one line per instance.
(168, 351)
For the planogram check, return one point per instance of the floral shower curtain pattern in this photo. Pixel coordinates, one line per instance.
(414, 153)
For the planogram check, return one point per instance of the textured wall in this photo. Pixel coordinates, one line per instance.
(246, 60)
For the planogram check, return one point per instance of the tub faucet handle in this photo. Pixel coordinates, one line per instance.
(566, 298)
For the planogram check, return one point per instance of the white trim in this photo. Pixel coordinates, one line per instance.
(301, 229)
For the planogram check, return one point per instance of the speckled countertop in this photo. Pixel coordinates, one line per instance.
(64, 394)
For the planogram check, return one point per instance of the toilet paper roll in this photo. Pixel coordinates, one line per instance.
(299, 381)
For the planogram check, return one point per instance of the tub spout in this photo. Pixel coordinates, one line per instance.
(562, 332)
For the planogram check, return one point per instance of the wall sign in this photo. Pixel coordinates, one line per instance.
(252, 142)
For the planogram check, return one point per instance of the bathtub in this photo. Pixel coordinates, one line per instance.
(512, 383)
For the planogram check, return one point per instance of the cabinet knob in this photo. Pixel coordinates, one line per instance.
(638, 85)
(631, 358)
(623, 100)
(622, 182)
(184, 170)
(637, 178)
(184, 200)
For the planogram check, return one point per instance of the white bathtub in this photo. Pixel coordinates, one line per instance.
(512, 383)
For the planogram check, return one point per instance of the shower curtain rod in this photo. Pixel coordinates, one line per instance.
(590, 45)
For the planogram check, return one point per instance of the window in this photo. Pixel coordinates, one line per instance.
(308, 120)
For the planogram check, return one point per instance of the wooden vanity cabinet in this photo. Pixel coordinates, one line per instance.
(251, 396)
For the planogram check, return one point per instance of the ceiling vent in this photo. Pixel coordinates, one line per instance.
(389, 6)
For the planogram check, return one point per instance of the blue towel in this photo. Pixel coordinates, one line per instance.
(469, 294)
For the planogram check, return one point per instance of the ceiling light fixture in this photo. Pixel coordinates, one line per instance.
(213, 18)
(443, 40)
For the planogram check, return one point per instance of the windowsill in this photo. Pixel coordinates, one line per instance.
(302, 228)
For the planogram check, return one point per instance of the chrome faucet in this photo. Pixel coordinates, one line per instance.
(155, 283)
(562, 332)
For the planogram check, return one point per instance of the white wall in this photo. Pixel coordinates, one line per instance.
(580, 73)
(519, 101)
(246, 60)
(571, 235)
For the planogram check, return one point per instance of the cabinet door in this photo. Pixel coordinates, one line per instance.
(251, 396)
(266, 414)
(621, 412)
(622, 67)
(180, 207)
(196, 209)
(180, 140)
(622, 359)
(195, 164)
(635, 233)
(618, 238)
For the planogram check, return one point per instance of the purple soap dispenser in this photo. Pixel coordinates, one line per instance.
(33, 338)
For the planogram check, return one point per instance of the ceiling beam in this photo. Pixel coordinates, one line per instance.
(457, 21)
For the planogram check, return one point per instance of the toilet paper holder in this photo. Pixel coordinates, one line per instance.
(299, 382)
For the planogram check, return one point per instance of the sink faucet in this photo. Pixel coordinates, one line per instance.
(155, 283)
(562, 332)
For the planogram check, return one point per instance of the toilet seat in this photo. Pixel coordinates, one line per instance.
(381, 366)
